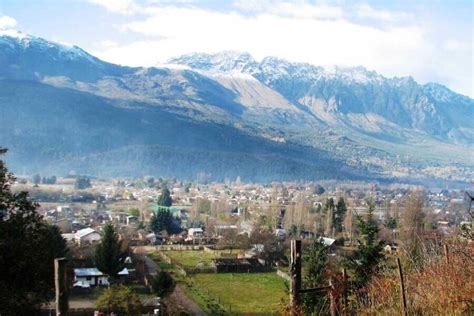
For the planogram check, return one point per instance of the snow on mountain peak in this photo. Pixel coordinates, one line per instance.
(226, 61)
(272, 68)
(14, 33)
(22, 40)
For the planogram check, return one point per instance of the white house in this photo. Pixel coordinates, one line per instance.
(86, 236)
(86, 277)
(195, 233)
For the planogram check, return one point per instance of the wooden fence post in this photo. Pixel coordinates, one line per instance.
(61, 287)
(402, 287)
(446, 253)
(345, 289)
(332, 299)
(295, 274)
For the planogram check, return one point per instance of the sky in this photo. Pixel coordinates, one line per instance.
(430, 40)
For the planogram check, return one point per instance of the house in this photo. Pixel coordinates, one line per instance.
(329, 242)
(195, 232)
(132, 220)
(86, 277)
(86, 236)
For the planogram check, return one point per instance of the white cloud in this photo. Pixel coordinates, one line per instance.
(294, 9)
(7, 22)
(367, 12)
(322, 35)
(126, 7)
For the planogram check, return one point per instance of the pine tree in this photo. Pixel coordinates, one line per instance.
(369, 252)
(315, 257)
(163, 220)
(109, 256)
(329, 211)
(165, 198)
(340, 213)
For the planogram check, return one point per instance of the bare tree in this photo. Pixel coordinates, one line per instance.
(412, 224)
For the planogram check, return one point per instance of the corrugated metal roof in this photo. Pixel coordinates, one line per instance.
(84, 272)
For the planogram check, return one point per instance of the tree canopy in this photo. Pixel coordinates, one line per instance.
(82, 183)
(165, 198)
(28, 247)
(109, 256)
(369, 251)
(315, 257)
(340, 214)
(163, 220)
(162, 284)
(120, 299)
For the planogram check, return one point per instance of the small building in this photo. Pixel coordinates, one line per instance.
(86, 277)
(195, 232)
(86, 236)
(132, 220)
(329, 242)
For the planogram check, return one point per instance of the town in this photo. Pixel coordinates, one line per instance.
(188, 247)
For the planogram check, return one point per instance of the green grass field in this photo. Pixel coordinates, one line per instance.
(240, 293)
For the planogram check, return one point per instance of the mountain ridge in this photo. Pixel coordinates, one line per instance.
(373, 127)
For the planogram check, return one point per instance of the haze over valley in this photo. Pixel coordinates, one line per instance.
(64, 111)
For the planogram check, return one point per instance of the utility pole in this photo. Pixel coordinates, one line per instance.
(60, 284)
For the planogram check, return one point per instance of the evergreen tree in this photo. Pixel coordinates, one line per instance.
(369, 252)
(109, 256)
(165, 198)
(293, 231)
(28, 247)
(82, 183)
(318, 189)
(36, 179)
(315, 257)
(340, 214)
(329, 210)
(163, 220)
(162, 284)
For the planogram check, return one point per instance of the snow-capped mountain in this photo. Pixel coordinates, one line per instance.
(224, 114)
(354, 97)
(29, 57)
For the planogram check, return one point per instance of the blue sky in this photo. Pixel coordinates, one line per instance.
(429, 40)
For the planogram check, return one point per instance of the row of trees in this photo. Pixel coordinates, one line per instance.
(37, 179)
(82, 182)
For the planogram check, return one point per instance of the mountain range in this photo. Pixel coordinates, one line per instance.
(224, 115)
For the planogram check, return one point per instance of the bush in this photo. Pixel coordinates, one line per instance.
(120, 299)
(162, 284)
(439, 288)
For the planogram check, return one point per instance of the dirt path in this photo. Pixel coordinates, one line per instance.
(178, 300)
